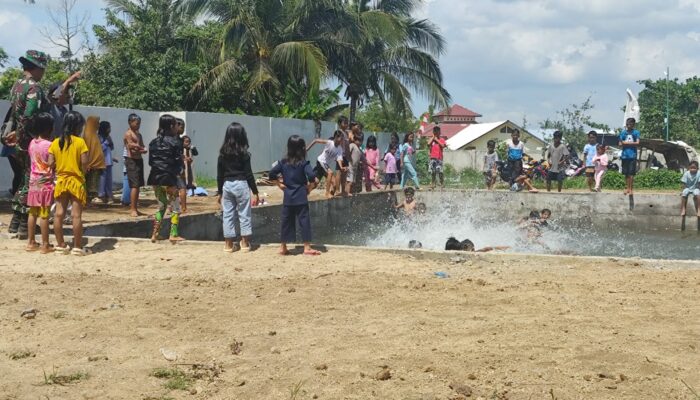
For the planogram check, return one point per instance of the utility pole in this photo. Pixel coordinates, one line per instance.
(666, 120)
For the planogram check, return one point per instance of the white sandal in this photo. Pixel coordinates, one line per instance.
(62, 250)
(79, 252)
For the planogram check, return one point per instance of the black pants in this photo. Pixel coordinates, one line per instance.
(290, 216)
(17, 171)
(516, 169)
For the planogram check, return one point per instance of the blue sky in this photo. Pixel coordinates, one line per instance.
(507, 59)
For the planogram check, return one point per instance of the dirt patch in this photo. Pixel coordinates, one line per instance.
(501, 327)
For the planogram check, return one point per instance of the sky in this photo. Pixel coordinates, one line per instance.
(509, 59)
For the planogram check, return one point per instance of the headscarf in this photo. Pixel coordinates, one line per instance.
(96, 159)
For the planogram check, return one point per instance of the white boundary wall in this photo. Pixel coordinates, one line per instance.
(267, 137)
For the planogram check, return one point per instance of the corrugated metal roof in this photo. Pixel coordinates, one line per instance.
(471, 133)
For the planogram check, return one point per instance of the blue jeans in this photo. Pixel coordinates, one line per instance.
(409, 172)
(105, 188)
(235, 202)
(126, 191)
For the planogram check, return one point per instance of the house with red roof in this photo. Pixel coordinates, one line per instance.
(451, 121)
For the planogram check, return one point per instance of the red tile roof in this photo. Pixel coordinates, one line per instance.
(446, 130)
(457, 110)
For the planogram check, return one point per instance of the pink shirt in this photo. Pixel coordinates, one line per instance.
(372, 156)
(41, 186)
(390, 161)
(436, 150)
(39, 156)
(600, 162)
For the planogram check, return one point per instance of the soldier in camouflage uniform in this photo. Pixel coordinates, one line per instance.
(27, 98)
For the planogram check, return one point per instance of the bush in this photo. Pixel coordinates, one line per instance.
(658, 179)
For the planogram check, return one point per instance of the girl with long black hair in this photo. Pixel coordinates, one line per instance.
(235, 181)
(298, 180)
(68, 155)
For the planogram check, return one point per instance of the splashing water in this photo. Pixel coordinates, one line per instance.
(486, 228)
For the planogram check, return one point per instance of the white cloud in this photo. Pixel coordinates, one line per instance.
(535, 57)
(15, 32)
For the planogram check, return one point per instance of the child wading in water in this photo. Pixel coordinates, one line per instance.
(600, 163)
(165, 159)
(298, 179)
(41, 186)
(409, 204)
(691, 187)
(69, 157)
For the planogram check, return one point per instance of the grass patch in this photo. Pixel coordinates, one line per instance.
(58, 314)
(55, 378)
(176, 378)
(18, 355)
(206, 182)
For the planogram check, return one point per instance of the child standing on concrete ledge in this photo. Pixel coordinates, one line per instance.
(589, 153)
(490, 165)
(629, 141)
(298, 180)
(557, 156)
(600, 162)
(691, 187)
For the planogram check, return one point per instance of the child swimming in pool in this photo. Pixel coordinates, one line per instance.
(453, 244)
(409, 203)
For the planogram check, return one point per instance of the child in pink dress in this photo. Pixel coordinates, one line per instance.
(372, 158)
(600, 161)
(41, 183)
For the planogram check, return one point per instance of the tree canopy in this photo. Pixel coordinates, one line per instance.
(684, 101)
(261, 57)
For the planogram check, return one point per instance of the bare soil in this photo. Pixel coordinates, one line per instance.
(349, 324)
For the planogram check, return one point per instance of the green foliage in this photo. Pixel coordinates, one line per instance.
(574, 122)
(378, 118)
(647, 179)
(144, 63)
(7, 80)
(658, 179)
(421, 159)
(315, 105)
(684, 109)
(3, 58)
(391, 54)
(55, 72)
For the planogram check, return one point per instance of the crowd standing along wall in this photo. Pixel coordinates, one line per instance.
(267, 137)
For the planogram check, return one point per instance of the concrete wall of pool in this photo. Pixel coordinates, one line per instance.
(345, 215)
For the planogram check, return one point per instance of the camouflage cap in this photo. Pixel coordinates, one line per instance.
(36, 58)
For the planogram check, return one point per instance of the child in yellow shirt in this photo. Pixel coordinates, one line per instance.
(69, 156)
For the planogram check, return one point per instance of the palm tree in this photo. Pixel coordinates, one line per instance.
(395, 57)
(262, 38)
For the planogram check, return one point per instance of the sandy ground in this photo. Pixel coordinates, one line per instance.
(499, 327)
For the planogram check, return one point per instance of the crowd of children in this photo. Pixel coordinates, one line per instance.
(70, 170)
